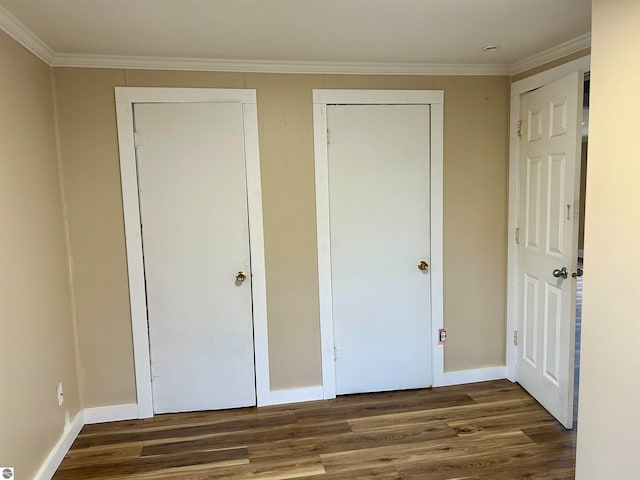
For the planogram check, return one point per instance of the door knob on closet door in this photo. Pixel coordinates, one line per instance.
(241, 277)
(422, 265)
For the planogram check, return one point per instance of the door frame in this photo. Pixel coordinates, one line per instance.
(125, 98)
(322, 98)
(518, 89)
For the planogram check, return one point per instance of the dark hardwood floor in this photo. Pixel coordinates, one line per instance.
(491, 430)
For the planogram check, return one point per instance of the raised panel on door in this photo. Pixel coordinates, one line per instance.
(548, 194)
(530, 320)
(379, 216)
(557, 208)
(533, 195)
(193, 205)
(552, 328)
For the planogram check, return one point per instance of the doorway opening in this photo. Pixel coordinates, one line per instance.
(580, 272)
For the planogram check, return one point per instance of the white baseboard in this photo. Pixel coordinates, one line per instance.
(112, 413)
(57, 453)
(293, 395)
(476, 375)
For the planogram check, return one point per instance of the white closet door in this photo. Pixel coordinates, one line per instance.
(193, 203)
(379, 215)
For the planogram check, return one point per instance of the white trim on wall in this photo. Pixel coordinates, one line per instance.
(354, 68)
(294, 395)
(322, 98)
(517, 90)
(476, 375)
(60, 449)
(112, 413)
(436, 265)
(551, 54)
(271, 66)
(126, 97)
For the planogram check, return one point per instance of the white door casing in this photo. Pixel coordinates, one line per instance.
(430, 100)
(126, 98)
(379, 214)
(549, 196)
(195, 234)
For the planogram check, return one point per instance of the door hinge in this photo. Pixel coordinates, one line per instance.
(519, 128)
(515, 337)
(138, 139)
(518, 235)
(328, 137)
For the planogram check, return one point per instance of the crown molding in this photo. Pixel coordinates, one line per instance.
(25, 37)
(551, 54)
(269, 66)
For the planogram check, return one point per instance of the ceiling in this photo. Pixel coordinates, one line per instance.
(350, 31)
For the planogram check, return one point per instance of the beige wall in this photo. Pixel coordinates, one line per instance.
(36, 327)
(475, 197)
(609, 419)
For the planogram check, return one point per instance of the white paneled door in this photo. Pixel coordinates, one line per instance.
(193, 205)
(549, 196)
(379, 220)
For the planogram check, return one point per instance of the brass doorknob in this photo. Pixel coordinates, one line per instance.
(422, 265)
(241, 276)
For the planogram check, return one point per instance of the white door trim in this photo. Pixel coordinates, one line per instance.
(517, 90)
(126, 97)
(322, 98)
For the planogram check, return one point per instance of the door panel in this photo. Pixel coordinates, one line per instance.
(379, 214)
(532, 209)
(193, 206)
(552, 327)
(556, 206)
(530, 343)
(549, 176)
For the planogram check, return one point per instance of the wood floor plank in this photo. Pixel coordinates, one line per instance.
(290, 468)
(106, 454)
(368, 409)
(200, 429)
(267, 436)
(146, 465)
(534, 418)
(350, 442)
(456, 413)
(485, 431)
(427, 452)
